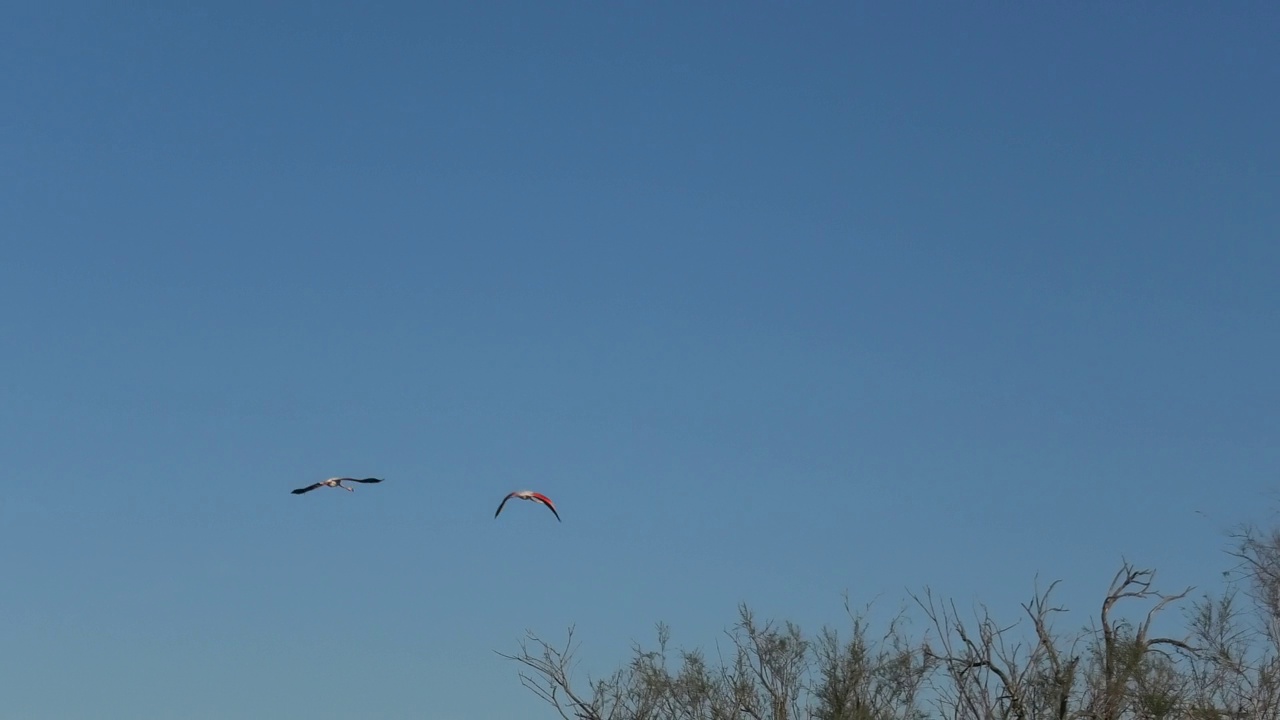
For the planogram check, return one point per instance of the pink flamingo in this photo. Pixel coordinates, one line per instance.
(530, 495)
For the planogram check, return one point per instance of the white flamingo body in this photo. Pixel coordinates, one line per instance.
(336, 482)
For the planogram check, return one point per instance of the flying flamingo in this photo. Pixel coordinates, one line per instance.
(336, 482)
(530, 495)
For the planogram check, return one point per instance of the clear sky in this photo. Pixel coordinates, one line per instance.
(776, 300)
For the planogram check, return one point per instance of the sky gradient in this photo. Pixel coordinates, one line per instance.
(775, 300)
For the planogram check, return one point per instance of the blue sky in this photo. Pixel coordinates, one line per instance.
(776, 300)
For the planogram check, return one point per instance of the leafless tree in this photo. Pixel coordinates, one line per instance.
(771, 671)
(1223, 665)
(988, 672)
(1131, 673)
(546, 673)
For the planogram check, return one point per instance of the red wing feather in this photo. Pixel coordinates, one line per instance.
(547, 501)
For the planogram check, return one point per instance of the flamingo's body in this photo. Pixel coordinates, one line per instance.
(530, 495)
(336, 482)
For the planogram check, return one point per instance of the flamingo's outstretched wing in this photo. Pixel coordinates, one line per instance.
(503, 503)
(307, 489)
(546, 501)
(366, 480)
